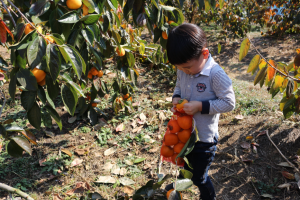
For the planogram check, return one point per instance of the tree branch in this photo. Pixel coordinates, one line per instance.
(14, 190)
(8, 12)
(3, 103)
(280, 72)
(291, 164)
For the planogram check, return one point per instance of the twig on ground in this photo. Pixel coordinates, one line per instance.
(291, 164)
(14, 190)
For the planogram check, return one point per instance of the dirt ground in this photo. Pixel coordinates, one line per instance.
(233, 179)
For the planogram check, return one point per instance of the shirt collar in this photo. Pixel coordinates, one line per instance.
(207, 67)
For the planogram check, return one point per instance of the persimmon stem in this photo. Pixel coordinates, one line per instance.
(8, 12)
(283, 74)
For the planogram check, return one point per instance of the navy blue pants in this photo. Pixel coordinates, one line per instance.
(200, 160)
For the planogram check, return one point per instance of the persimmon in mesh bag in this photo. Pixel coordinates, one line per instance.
(180, 128)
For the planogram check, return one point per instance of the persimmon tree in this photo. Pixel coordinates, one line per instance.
(61, 47)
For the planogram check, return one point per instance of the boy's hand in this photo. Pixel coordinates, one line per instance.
(175, 102)
(192, 107)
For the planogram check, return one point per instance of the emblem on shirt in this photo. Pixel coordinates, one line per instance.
(201, 87)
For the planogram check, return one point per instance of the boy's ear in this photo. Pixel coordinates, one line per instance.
(205, 53)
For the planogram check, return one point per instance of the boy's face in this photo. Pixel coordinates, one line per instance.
(193, 66)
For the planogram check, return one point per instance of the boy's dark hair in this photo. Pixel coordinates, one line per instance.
(185, 43)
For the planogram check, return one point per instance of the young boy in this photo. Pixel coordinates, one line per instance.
(209, 91)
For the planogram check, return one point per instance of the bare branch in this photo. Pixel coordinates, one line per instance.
(14, 190)
(291, 164)
(8, 12)
(280, 72)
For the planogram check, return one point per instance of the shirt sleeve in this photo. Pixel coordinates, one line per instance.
(222, 86)
(177, 90)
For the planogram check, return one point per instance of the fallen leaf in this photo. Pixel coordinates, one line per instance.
(285, 185)
(128, 190)
(75, 162)
(106, 96)
(255, 144)
(42, 161)
(107, 166)
(169, 99)
(136, 104)
(261, 133)
(81, 152)
(143, 118)
(115, 170)
(110, 151)
(128, 162)
(133, 124)
(254, 149)
(71, 120)
(57, 197)
(50, 134)
(162, 116)
(288, 175)
(126, 181)
(66, 151)
(245, 145)
(239, 117)
(147, 166)
(246, 160)
(249, 137)
(284, 164)
(8, 121)
(70, 192)
(123, 171)
(137, 129)
(120, 127)
(138, 160)
(267, 196)
(106, 179)
(154, 149)
(297, 177)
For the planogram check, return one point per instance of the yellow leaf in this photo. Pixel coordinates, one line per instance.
(262, 63)
(278, 82)
(66, 151)
(295, 86)
(253, 64)
(271, 72)
(244, 48)
(281, 106)
(298, 51)
(249, 137)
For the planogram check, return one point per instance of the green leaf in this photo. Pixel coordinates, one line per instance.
(39, 8)
(54, 115)
(188, 147)
(90, 19)
(52, 87)
(221, 3)
(69, 18)
(25, 41)
(21, 58)
(97, 56)
(88, 35)
(219, 48)
(254, 64)
(69, 80)
(90, 4)
(69, 98)
(144, 190)
(139, 160)
(23, 143)
(27, 79)
(56, 27)
(13, 83)
(113, 4)
(35, 51)
(130, 59)
(93, 117)
(13, 128)
(27, 99)
(3, 131)
(34, 116)
(142, 48)
(161, 181)
(261, 74)
(76, 60)
(186, 174)
(53, 58)
(42, 95)
(183, 184)
(116, 36)
(95, 29)
(244, 49)
(14, 149)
